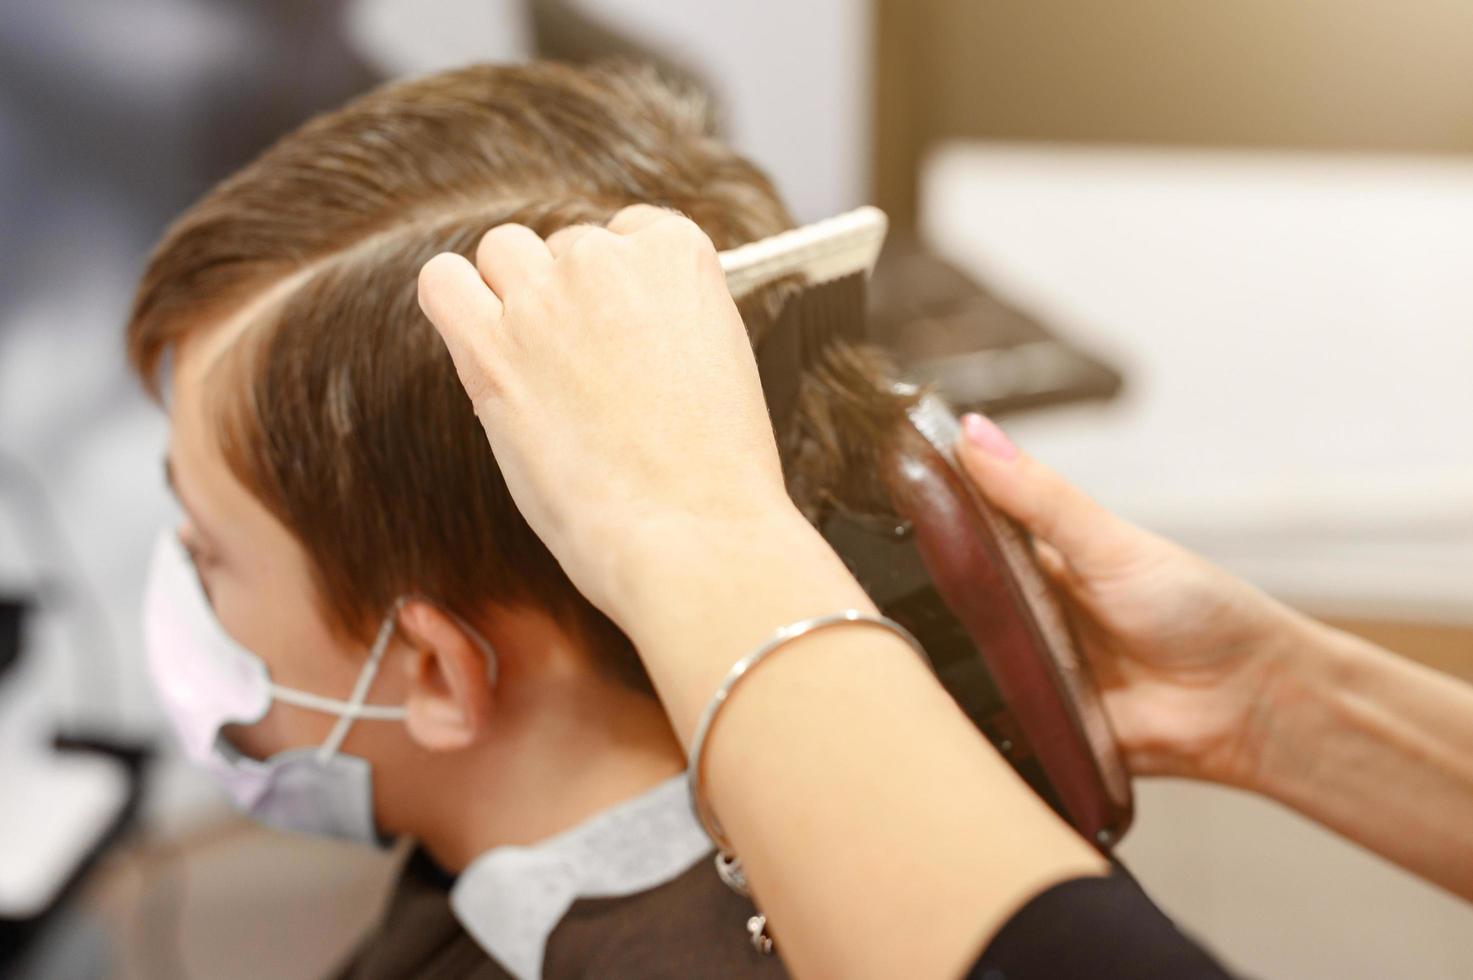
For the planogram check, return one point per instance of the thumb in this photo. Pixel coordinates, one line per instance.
(1053, 510)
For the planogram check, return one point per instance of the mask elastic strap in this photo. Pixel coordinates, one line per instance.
(493, 663)
(335, 706)
(355, 706)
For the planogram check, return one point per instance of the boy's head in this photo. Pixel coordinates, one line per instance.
(323, 448)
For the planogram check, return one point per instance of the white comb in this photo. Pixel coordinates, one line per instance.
(821, 252)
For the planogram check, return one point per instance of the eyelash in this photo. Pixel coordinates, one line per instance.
(201, 558)
(202, 564)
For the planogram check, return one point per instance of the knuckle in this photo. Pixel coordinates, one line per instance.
(590, 241)
(681, 230)
(640, 210)
(568, 233)
(498, 238)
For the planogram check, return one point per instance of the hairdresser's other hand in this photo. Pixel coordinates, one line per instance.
(1187, 655)
(587, 356)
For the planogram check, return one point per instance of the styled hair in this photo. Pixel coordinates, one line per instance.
(339, 408)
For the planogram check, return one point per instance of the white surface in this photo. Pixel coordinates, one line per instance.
(57, 807)
(1297, 334)
(406, 38)
(791, 80)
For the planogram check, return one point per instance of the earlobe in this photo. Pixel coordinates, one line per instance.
(451, 687)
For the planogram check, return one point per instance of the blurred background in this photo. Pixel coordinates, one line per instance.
(1212, 261)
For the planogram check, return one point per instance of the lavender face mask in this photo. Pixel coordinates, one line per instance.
(206, 681)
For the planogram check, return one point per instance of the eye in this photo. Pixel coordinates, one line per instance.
(201, 556)
(200, 560)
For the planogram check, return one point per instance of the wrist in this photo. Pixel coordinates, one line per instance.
(1294, 711)
(666, 554)
(695, 594)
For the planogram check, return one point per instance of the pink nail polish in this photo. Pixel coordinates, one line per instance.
(983, 433)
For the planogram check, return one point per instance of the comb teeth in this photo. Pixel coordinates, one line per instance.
(825, 312)
(833, 258)
(809, 322)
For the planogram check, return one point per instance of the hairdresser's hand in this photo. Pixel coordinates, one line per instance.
(587, 357)
(619, 391)
(1187, 655)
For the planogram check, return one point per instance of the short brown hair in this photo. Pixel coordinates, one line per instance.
(344, 415)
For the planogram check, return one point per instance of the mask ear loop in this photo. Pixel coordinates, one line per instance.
(493, 663)
(355, 707)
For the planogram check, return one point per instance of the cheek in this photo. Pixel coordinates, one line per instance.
(275, 619)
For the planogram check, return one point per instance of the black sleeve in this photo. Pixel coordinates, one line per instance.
(1100, 928)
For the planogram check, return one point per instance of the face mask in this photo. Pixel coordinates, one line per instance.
(205, 681)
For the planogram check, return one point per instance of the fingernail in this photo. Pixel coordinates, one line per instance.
(983, 433)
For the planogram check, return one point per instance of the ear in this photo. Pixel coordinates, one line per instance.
(451, 689)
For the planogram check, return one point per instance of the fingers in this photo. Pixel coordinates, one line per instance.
(676, 232)
(466, 313)
(627, 221)
(561, 240)
(510, 255)
(1083, 533)
(638, 217)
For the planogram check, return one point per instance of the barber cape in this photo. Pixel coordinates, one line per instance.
(630, 893)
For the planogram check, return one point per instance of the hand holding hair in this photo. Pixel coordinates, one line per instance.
(605, 418)
(880, 832)
(644, 458)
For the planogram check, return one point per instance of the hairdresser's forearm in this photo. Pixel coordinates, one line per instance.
(1376, 747)
(884, 837)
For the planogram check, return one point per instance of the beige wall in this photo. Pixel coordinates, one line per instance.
(1333, 74)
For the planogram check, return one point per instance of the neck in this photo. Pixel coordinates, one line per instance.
(555, 768)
